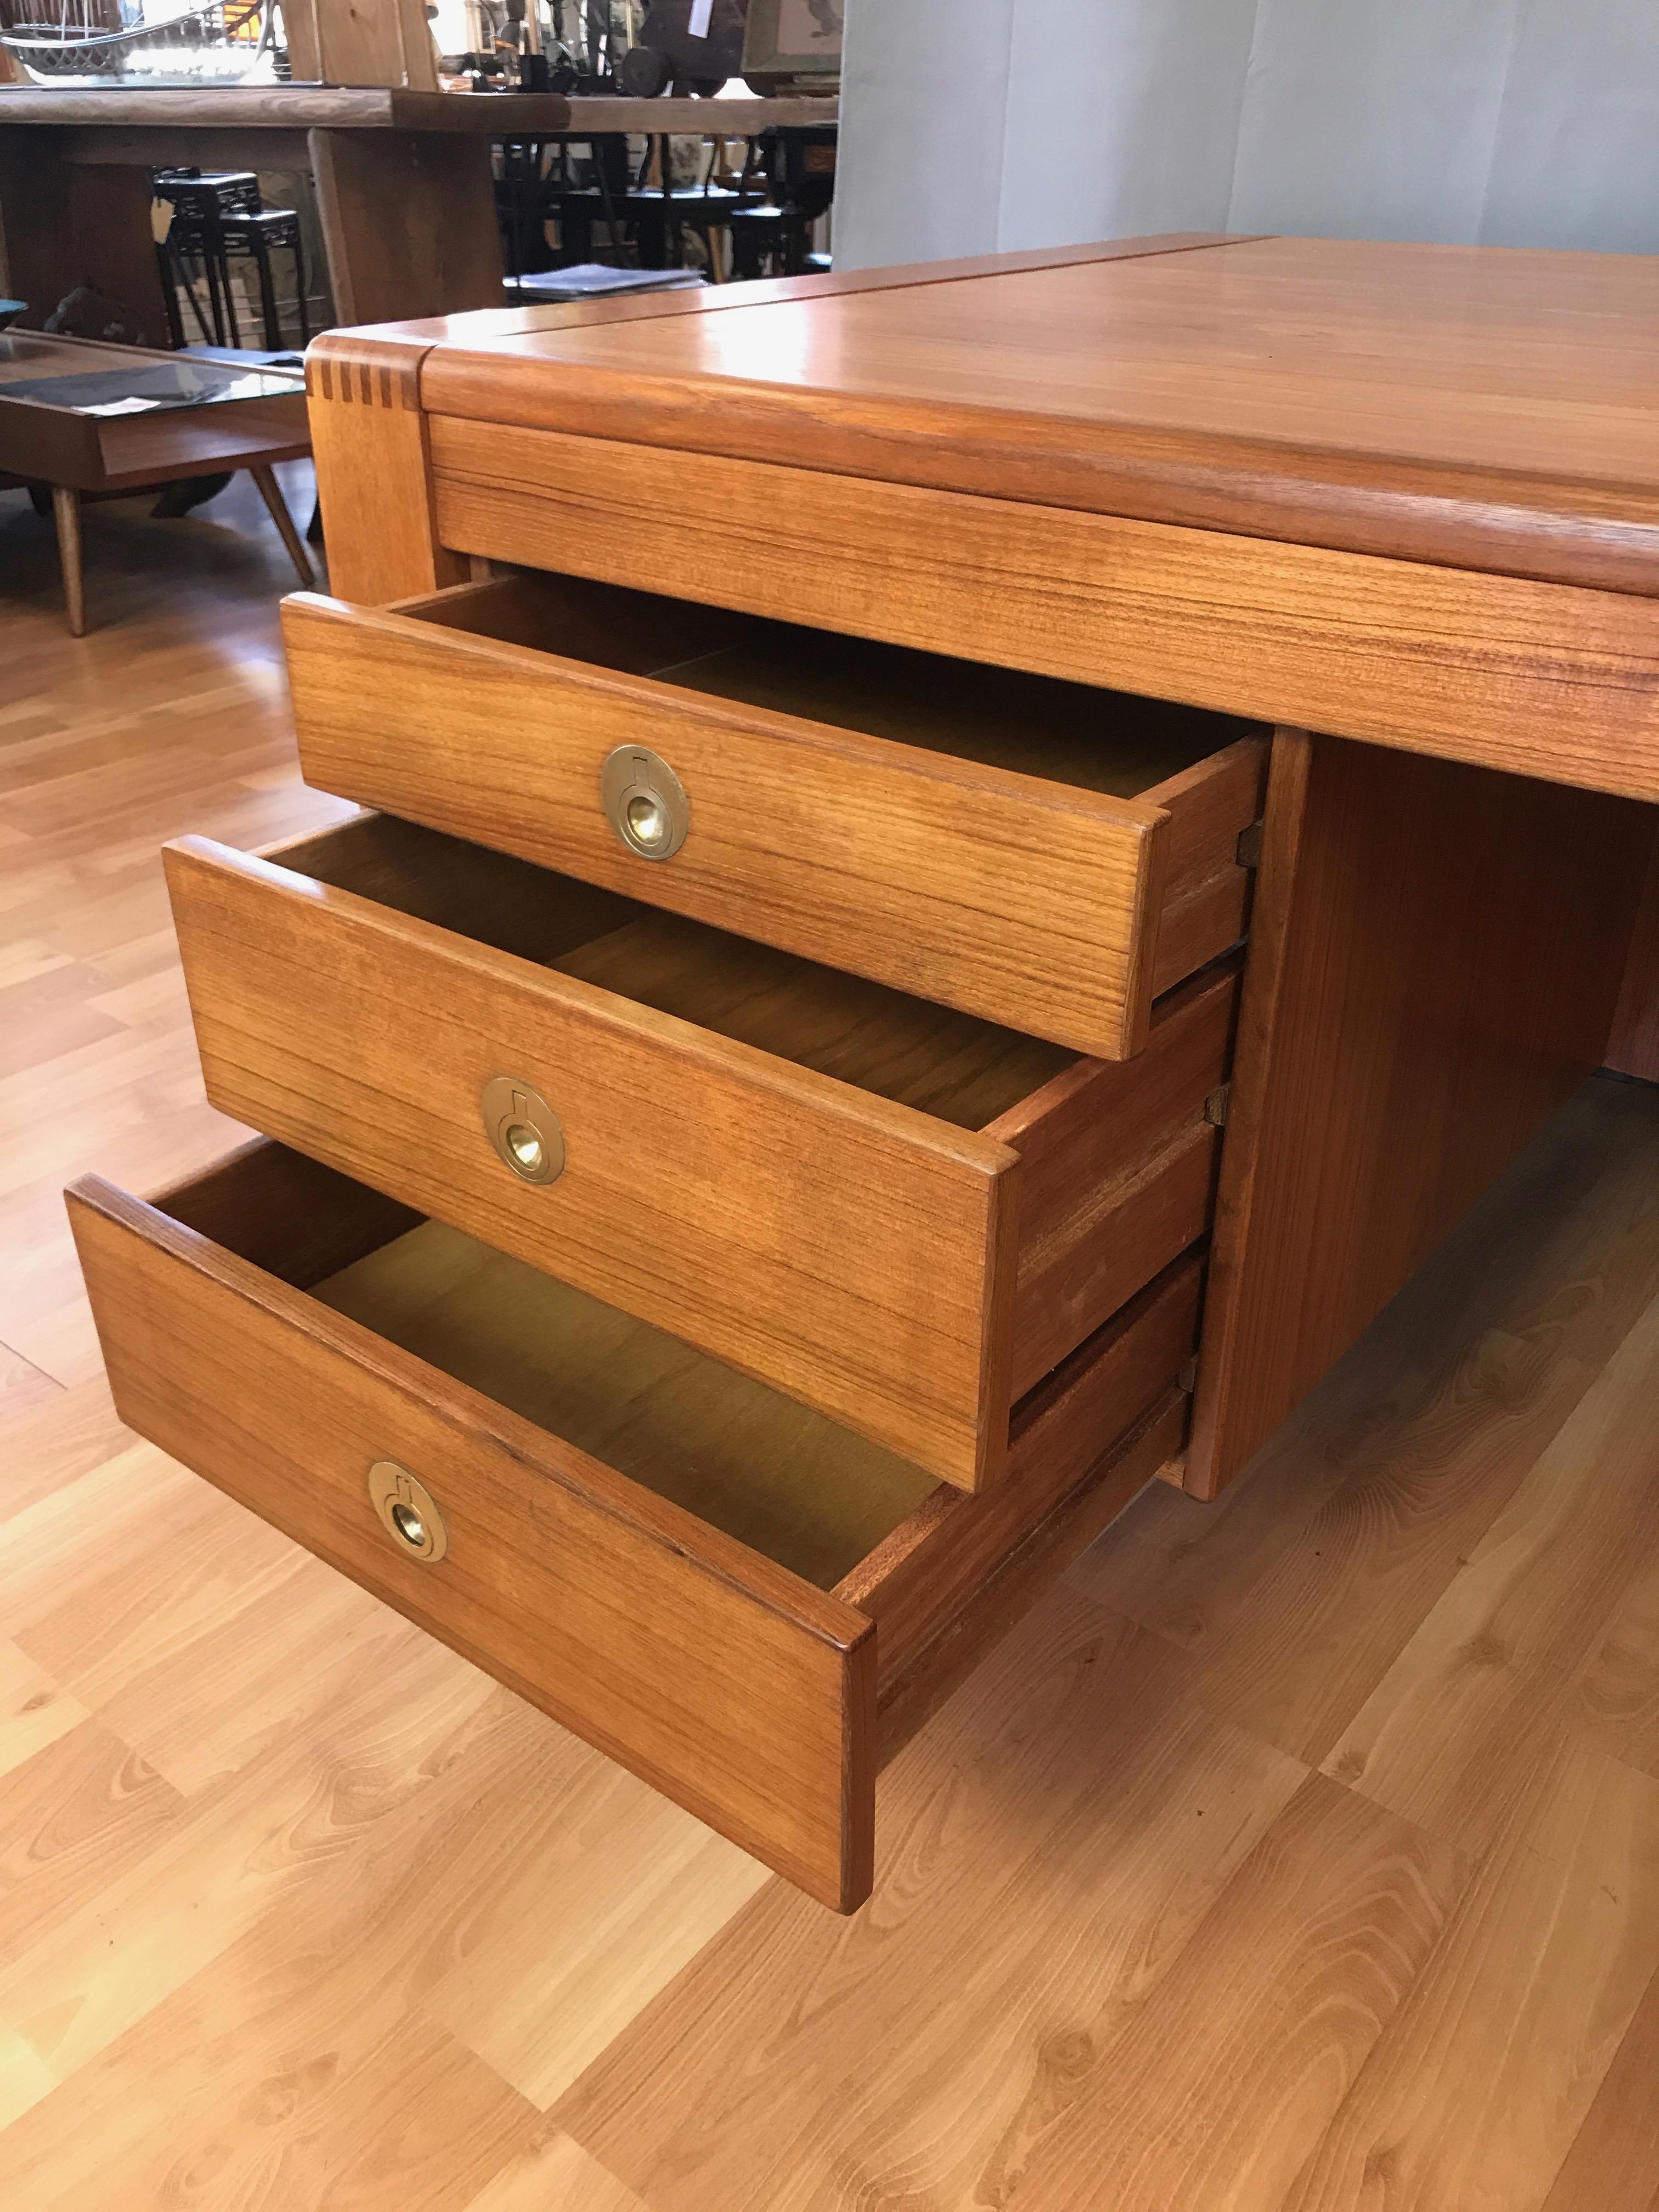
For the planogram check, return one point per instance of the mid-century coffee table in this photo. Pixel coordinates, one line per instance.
(86, 417)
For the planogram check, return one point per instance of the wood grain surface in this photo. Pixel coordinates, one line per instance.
(1207, 890)
(369, 440)
(712, 299)
(776, 1478)
(908, 1696)
(1509, 1640)
(1557, 1934)
(378, 526)
(1121, 1154)
(1474, 2003)
(1369, 1499)
(951, 830)
(1614, 2158)
(850, 1250)
(1436, 956)
(94, 221)
(1541, 679)
(408, 219)
(1471, 408)
(1356, 1902)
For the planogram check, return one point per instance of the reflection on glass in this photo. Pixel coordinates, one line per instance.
(97, 381)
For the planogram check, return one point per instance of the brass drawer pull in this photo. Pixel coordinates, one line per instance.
(409, 1510)
(645, 801)
(524, 1128)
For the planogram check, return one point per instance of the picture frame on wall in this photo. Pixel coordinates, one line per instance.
(794, 45)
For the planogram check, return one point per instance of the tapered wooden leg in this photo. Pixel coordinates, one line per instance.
(271, 492)
(66, 512)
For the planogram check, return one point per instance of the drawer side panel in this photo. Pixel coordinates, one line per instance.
(1117, 1168)
(1207, 892)
(930, 1566)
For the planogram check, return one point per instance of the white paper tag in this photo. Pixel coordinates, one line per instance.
(700, 11)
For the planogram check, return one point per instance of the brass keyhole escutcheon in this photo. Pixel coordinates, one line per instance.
(645, 802)
(523, 1127)
(409, 1510)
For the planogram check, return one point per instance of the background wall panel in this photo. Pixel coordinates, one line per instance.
(974, 126)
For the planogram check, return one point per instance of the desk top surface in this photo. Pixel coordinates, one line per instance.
(1481, 406)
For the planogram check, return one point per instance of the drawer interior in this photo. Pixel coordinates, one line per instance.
(1112, 742)
(781, 1479)
(952, 1065)
(843, 1514)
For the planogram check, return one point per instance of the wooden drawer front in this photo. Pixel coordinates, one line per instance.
(730, 1681)
(982, 878)
(1497, 669)
(854, 1250)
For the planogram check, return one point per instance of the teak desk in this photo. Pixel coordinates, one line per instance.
(977, 863)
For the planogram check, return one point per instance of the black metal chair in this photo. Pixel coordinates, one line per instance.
(530, 195)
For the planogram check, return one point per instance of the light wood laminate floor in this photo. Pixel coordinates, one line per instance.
(1301, 1851)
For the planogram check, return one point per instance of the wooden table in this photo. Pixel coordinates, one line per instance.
(57, 428)
(403, 180)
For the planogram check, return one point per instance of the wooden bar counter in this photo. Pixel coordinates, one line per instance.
(976, 863)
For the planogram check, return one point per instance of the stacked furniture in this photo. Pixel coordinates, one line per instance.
(215, 219)
(764, 1149)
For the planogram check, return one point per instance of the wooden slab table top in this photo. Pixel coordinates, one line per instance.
(1398, 503)
(402, 179)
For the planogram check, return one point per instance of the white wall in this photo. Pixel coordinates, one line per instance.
(971, 126)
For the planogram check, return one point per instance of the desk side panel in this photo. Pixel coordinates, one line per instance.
(1435, 961)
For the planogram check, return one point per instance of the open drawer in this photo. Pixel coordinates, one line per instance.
(896, 1213)
(712, 1585)
(1047, 855)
